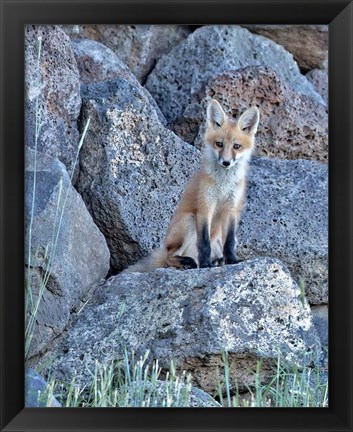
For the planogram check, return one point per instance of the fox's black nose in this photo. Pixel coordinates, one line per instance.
(226, 163)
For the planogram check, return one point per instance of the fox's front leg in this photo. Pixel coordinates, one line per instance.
(229, 247)
(203, 221)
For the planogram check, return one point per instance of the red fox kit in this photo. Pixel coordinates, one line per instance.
(202, 230)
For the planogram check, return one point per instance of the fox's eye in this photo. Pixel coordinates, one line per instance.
(219, 144)
(237, 146)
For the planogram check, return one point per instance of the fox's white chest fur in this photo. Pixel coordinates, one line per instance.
(228, 186)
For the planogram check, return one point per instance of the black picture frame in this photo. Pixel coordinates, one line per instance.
(339, 16)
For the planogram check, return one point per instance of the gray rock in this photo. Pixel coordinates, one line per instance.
(139, 46)
(253, 310)
(291, 126)
(98, 63)
(37, 393)
(212, 50)
(307, 43)
(67, 248)
(320, 319)
(201, 399)
(133, 170)
(55, 87)
(286, 216)
(319, 79)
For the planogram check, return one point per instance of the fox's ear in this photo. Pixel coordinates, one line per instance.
(249, 121)
(215, 114)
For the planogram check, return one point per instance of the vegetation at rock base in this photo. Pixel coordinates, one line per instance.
(131, 382)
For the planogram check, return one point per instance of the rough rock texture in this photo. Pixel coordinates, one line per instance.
(319, 79)
(36, 392)
(291, 126)
(55, 87)
(139, 46)
(133, 170)
(320, 319)
(286, 216)
(212, 50)
(307, 43)
(98, 63)
(65, 243)
(253, 310)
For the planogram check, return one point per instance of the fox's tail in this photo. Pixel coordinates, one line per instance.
(156, 259)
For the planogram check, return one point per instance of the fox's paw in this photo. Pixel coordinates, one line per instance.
(217, 262)
(186, 263)
(231, 259)
(205, 264)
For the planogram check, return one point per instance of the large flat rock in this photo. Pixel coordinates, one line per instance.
(254, 310)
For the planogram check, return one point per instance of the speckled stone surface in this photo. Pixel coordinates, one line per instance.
(139, 46)
(319, 79)
(253, 310)
(291, 126)
(97, 63)
(286, 216)
(65, 243)
(307, 43)
(211, 50)
(132, 169)
(56, 86)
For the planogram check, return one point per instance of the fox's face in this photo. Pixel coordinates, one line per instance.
(228, 140)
